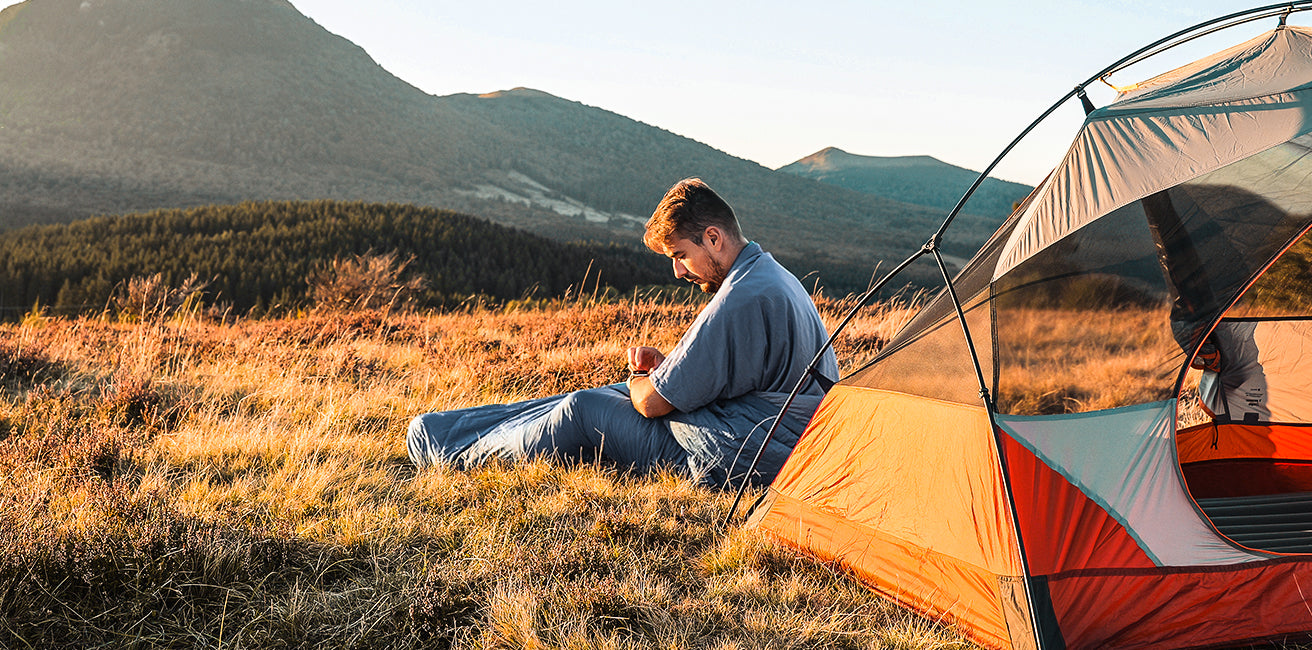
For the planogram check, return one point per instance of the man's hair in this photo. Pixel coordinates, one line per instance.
(688, 209)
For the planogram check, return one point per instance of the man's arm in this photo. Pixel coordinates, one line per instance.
(645, 399)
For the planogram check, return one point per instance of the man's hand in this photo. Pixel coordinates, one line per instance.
(644, 359)
(645, 399)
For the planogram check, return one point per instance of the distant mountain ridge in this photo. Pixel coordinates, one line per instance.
(919, 180)
(116, 106)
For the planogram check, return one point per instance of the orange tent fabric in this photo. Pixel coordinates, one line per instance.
(940, 541)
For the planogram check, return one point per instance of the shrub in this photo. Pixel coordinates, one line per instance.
(365, 282)
(24, 362)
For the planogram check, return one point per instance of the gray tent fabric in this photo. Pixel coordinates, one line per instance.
(1263, 375)
(1169, 130)
(728, 378)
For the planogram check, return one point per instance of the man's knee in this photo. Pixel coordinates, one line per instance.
(419, 442)
(576, 406)
(565, 431)
(576, 426)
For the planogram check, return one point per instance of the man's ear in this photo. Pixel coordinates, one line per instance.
(714, 237)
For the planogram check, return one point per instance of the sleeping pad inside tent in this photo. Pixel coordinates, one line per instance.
(1140, 475)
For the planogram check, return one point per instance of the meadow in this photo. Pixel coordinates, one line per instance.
(184, 480)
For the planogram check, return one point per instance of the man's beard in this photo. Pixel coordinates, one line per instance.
(711, 284)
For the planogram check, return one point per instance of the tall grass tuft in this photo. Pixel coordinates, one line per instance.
(150, 298)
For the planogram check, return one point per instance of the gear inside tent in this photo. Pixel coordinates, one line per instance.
(1100, 434)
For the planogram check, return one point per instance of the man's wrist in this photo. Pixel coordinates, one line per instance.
(634, 374)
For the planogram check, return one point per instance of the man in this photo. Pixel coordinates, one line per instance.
(692, 409)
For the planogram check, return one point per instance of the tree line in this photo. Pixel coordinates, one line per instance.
(259, 256)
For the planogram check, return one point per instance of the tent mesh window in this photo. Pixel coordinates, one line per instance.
(1284, 290)
(1107, 316)
(929, 356)
(936, 362)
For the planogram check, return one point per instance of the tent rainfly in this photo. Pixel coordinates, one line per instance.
(1099, 435)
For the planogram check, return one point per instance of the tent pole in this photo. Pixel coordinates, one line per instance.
(1281, 10)
(810, 369)
(997, 449)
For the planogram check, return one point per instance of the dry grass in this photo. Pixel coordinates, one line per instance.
(873, 326)
(187, 483)
(1067, 361)
(147, 298)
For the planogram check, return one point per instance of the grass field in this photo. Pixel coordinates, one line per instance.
(196, 483)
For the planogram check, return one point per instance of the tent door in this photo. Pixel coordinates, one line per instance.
(1249, 466)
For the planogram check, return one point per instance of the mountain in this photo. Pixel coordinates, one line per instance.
(114, 106)
(122, 105)
(919, 180)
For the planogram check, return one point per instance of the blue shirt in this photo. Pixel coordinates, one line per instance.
(757, 335)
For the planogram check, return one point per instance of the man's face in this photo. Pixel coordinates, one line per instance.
(695, 263)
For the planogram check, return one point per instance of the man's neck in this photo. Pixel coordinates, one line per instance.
(731, 252)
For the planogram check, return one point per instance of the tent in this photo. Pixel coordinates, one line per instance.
(1099, 434)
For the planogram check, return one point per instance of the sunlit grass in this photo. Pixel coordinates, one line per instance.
(1066, 361)
(192, 483)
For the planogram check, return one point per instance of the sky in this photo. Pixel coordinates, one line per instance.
(775, 80)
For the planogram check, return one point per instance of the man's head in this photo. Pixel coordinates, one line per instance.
(696, 229)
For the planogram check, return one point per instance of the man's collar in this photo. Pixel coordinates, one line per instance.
(749, 252)
(746, 256)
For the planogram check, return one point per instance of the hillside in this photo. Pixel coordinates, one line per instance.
(125, 105)
(919, 180)
(114, 106)
(258, 255)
